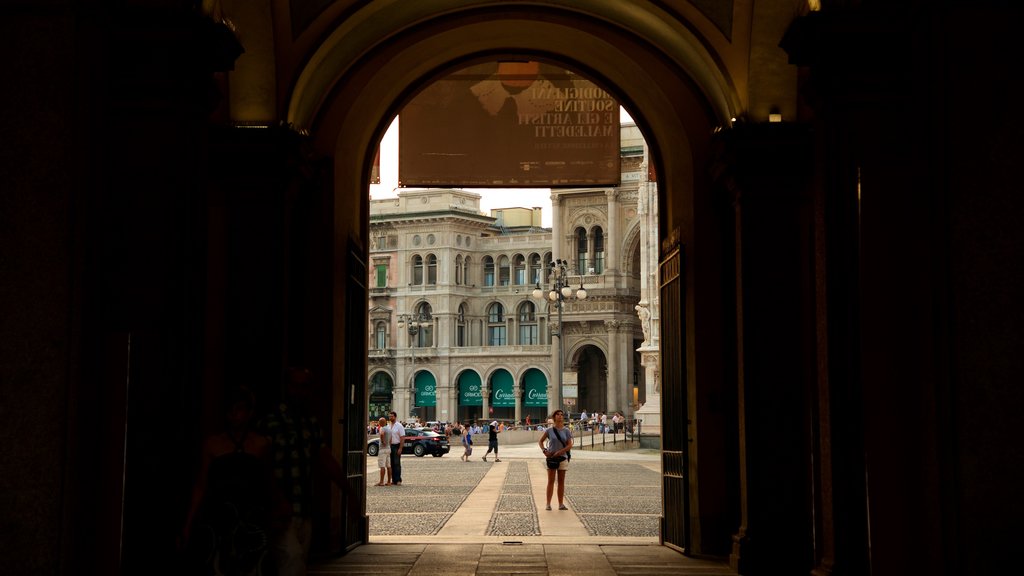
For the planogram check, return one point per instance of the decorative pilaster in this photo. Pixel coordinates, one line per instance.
(614, 387)
(485, 393)
(517, 392)
(556, 229)
(611, 244)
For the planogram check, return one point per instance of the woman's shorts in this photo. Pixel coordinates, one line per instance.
(384, 458)
(469, 451)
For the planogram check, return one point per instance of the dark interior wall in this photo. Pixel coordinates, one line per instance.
(923, 313)
(981, 181)
(40, 167)
(763, 188)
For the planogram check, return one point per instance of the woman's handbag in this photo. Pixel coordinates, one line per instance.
(554, 462)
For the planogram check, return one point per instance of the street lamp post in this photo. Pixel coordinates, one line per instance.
(414, 323)
(559, 293)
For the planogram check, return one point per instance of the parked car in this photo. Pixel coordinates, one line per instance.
(418, 442)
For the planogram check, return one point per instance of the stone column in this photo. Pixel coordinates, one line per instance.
(556, 228)
(517, 391)
(648, 309)
(614, 368)
(484, 400)
(611, 239)
(554, 393)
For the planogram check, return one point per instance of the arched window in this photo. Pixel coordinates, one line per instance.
(431, 269)
(581, 250)
(460, 326)
(381, 336)
(598, 260)
(528, 334)
(519, 270)
(466, 278)
(503, 271)
(535, 269)
(488, 271)
(458, 270)
(496, 335)
(417, 270)
(425, 334)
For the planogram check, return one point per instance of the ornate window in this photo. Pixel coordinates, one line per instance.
(503, 271)
(528, 333)
(425, 334)
(417, 270)
(488, 271)
(581, 250)
(460, 326)
(518, 270)
(535, 269)
(598, 260)
(458, 269)
(381, 336)
(496, 330)
(431, 269)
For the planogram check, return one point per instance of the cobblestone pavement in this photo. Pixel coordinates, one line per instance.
(618, 497)
(432, 490)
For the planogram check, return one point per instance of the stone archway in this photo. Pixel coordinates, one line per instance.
(591, 366)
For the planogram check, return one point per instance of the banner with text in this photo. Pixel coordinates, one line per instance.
(426, 389)
(503, 395)
(510, 124)
(536, 390)
(469, 389)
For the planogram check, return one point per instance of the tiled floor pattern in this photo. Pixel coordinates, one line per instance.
(520, 560)
(516, 512)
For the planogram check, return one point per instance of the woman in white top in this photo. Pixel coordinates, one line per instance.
(384, 451)
(556, 443)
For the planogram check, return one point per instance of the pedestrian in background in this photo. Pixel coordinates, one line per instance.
(492, 441)
(467, 443)
(397, 439)
(384, 451)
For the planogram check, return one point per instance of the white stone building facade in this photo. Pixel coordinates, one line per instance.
(455, 331)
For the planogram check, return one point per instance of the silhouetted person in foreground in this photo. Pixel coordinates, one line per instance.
(297, 448)
(226, 530)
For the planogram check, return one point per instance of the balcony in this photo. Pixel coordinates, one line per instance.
(381, 355)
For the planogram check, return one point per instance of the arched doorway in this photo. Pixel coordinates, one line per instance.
(381, 395)
(353, 85)
(502, 402)
(591, 367)
(470, 396)
(424, 396)
(535, 396)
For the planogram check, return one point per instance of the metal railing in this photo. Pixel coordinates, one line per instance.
(597, 436)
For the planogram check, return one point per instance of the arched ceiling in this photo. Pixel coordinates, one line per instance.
(347, 70)
(602, 34)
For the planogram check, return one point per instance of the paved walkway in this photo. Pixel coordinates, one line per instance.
(455, 518)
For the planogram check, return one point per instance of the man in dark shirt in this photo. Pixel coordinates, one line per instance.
(492, 441)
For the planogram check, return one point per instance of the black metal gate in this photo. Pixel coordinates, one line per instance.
(676, 512)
